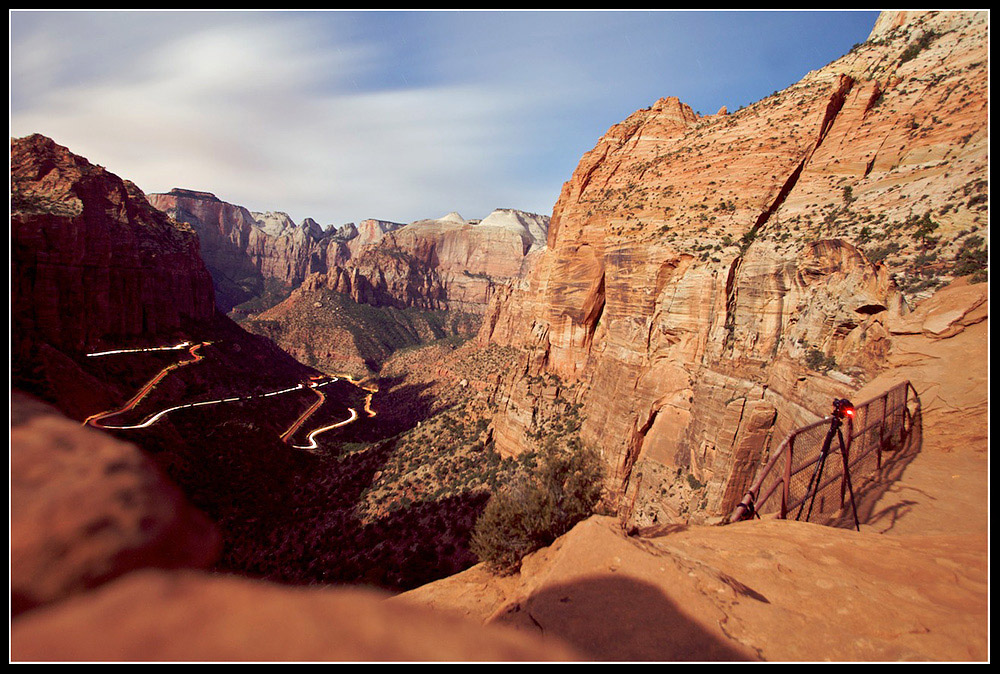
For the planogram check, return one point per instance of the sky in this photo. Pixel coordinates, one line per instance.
(342, 116)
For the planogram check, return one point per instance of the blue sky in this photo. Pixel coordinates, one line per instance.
(342, 116)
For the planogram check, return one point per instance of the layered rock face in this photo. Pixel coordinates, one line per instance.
(912, 584)
(366, 234)
(712, 282)
(243, 249)
(447, 263)
(434, 264)
(402, 287)
(92, 261)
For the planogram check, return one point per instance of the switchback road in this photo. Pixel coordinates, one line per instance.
(97, 420)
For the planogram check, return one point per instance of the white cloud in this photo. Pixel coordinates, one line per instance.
(263, 111)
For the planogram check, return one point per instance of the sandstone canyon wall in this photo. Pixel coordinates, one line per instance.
(92, 262)
(393, 287)
(242, 249)
(445, 263)
(711, 282)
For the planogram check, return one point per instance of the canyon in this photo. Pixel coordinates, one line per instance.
(105, 332)
(419, 282)
(705, 285)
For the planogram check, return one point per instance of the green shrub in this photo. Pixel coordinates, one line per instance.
(923, 227)
(879, 254)
(817, 360)
(531, 513)
(972, 259)
(918, 46)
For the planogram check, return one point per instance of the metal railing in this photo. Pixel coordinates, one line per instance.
(883, 432)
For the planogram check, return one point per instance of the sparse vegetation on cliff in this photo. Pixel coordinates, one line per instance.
(921, 43)
(972, 259)
(532, 512)
(817, 360)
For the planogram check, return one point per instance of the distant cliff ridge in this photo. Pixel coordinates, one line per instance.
(443, 263)
(243, 250)
(401, 286)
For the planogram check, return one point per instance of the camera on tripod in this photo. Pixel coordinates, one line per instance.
(842, 407)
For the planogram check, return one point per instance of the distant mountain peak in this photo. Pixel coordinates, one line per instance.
(452, 217)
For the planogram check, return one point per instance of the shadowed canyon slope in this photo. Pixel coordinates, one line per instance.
(95, 267)
(93, 262)
(712, 282)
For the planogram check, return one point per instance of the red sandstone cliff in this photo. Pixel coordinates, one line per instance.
(711, 282)
(243, 250)
(92, 262)
(911, 585)
(448, 263)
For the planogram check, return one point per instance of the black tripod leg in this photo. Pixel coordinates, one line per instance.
(847, 476)
(819, 481)
(817, 475)
(809, 487)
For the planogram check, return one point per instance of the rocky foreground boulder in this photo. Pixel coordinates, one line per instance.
(188, 616)
(105, 566)
(761, 590)
(86, 508)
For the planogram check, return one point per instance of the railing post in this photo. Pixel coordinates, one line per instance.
(907, 417)
(904, 432)
(786, 480)
(881, 430)
(755, 500)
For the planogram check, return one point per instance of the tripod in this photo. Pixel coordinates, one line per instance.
(840, 409)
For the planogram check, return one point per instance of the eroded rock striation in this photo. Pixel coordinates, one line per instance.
(712, 282)
(401, 286)
(444, 263)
